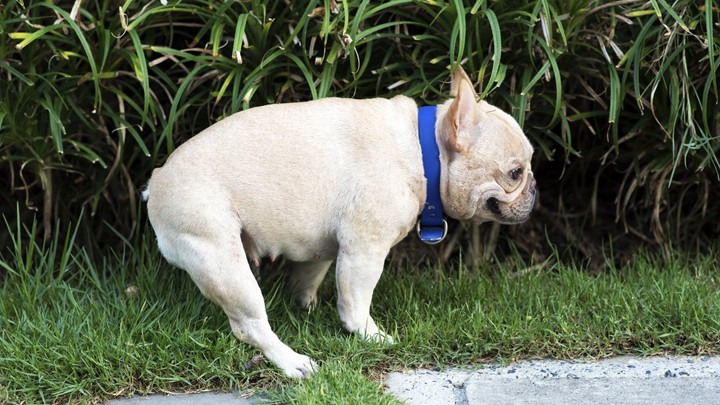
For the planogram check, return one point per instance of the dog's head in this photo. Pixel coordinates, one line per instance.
(485, 159)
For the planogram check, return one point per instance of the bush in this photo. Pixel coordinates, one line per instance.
(621, 98)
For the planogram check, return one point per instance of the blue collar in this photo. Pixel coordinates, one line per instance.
(431, 227)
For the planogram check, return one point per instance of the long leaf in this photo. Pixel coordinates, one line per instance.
(86, 47)
(459, 32)
(5, 65)
(710, 32)
(673, 14)
(556, 74)
(497, 46)
(143, 76)
(167, 134)
(239, 35)
(30, 38)
(540, 73)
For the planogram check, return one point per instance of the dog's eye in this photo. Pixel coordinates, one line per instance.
(516, 174)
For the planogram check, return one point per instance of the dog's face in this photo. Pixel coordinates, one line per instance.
(486, 173)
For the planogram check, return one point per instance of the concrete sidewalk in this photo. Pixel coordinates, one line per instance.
(619, 380)
(207, 398)
(626, 380)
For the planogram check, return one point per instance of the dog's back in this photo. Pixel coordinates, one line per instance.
(290, 173)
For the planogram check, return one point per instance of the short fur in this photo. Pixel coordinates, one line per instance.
(330, 179)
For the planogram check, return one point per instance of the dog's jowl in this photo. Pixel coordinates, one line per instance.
(330, 179)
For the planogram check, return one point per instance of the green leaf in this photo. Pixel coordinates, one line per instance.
(37, 34)
(556, 74)
(5, 65)
(457, 37)
(497, 46)
(239, 35)
(86, 47)
(141, 70)
(710, 32)
(167, 134)
(540, 73)
(57, 130)
(216, 37)
(615, 94)
(85, 152)
(673, 14)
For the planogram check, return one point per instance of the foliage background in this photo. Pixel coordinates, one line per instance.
(620, 99)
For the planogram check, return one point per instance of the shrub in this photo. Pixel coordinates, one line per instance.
(620, 98)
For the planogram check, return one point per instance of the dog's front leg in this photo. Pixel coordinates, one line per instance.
(357, 273)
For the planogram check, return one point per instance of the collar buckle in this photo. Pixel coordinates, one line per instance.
(432, 235)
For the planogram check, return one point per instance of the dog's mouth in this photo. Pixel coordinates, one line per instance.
(513, 212)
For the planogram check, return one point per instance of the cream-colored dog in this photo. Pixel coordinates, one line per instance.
(330, 179)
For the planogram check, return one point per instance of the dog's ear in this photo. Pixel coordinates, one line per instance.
(458, 77)
(462, 110)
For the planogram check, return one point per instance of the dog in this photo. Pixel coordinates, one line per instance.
(323, 180)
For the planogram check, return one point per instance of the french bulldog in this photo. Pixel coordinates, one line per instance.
(323, 180)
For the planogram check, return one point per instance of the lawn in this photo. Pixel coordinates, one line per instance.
(74, 330)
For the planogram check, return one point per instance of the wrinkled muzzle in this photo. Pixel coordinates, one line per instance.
(517, 210)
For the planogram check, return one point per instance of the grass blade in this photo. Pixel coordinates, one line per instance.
(5, 65)
(710, 32)
(673, 14)
(496, 78)
(141, 71)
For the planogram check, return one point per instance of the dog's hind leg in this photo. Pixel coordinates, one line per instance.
(305, 278)
(220, 269)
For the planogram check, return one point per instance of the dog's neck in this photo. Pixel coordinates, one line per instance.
(431, 227)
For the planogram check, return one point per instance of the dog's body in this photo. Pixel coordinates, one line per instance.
(323, 180)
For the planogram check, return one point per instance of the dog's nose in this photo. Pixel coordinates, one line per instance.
(493, 205)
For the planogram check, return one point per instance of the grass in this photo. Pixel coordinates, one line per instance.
(75, 331)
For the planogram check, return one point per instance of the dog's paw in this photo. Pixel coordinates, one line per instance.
(306, 301)
(300, 366)
(294, 365)
(379, 337)
(370, 332)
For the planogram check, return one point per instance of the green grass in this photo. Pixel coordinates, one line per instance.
(72, 331)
